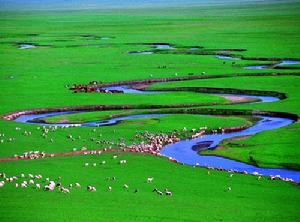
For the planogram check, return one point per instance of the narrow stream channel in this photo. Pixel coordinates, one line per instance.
(186, 151)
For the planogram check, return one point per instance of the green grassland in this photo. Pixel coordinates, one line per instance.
(276, 148)
(197, 196)
(37, 78)
(125, 130)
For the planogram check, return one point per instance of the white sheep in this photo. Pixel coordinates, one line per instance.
(122, 161)
(91, 189)
(49, 188)
(169, 193)
(2, 183)
(64, 190)
(150, 179)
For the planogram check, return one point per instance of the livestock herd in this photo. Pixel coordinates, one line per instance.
(150, 143)
(38, 183)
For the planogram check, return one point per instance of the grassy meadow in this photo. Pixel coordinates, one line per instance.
(77, 47)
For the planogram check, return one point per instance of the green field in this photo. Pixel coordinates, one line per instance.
(73, 49)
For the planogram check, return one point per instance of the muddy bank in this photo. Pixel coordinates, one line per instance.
(238, 99)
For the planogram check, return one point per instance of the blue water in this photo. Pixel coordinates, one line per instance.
(127, 89)
(112, 121)
(227, 57)
(27, 46)
(182, 151)
(256, 67)
(281, 63)
(288, 62)
(142, 53)
(28, 118)
(162, 46)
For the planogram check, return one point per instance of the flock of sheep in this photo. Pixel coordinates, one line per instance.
(150, 144)
(37, 182)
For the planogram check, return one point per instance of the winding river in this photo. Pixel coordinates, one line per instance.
(186, 151)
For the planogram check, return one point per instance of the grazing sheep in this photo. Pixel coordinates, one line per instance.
(229, 189)
(38, 176)
(109, 188)
(86, 164)
(2, 183)
(103, 162)
(159, 192)
(125, 186)
(136, 191)
(70, 185)
(31, 182)
(115, 156)
(23, 185)
(169, 193)
(64, 190)
(48, 188)
(16, 185)
(94, 164)
(37, 186)
(91, 189)
(150, 179)
(122, 161)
